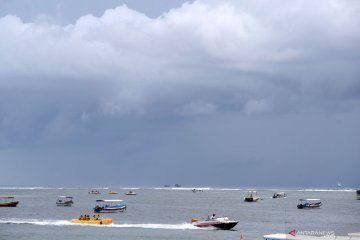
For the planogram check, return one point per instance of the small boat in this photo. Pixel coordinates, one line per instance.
(358, 194)
(309, 203)
(251, 197)
(177, 185)
(64, 201)
(279, 195)
(196, 190)
(130, 193)
(7, 201)
(93, 221)
(92, 191)
(113, 192)
(218, 222)
(167, 185)
(109, 206)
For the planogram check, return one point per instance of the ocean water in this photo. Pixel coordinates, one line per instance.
(165, 213)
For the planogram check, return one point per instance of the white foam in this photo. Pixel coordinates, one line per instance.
(47, 222)
(41, 222)
(182, 226)
(328, 190)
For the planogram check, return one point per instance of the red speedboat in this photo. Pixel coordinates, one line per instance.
(8, 202)
(223, 223)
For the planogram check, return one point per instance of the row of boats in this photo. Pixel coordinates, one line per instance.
(104, 205)
(307, 203)
(101, 206)
(94, 191)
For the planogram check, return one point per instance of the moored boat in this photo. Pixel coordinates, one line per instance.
(130, 193)
(279, 195)
(358, 194)
(92, 191)
(7, 201)
(109, 206)
(309, 203)
(113, 192)
(223, 223)
(251, 197)
(64, 201)
(93, 221)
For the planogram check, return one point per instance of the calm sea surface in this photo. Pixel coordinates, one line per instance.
(166, 214)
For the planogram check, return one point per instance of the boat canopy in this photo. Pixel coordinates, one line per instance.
(310, 200)
(113, 200)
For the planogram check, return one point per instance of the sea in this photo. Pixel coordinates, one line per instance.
(166, 213)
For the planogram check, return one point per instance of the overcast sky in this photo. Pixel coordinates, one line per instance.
(210, 93)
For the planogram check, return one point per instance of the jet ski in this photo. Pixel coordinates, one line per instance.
(219, 222)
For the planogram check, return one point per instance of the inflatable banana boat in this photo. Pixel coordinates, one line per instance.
(93, 221)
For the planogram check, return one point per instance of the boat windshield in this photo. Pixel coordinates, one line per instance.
(310, 200)
(108, 202)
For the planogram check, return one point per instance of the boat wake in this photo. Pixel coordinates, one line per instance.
(41, 222)
(46, 222)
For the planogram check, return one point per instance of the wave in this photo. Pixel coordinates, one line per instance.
(46, 222)
(34, 188)
(327, 190)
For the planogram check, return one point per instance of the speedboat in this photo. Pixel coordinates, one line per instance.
(279, 195)
(218, 222)
(7, 201)
(113, 192)
(309, 203)
(109, 206)
(64, 201)
(93, 221)
(130, 193)
(251, 197)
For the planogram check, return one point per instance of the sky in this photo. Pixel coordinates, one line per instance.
(200, 93)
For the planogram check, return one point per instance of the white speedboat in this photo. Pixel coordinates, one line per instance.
(279, 195)
(223, 223)
(64, 201)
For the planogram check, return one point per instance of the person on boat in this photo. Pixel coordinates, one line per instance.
(98, 217)
(213, 216)
(94, 217)
(81, 217)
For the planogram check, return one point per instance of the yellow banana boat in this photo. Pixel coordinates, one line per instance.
(93, 221)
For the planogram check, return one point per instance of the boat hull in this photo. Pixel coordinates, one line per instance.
(64, 204)
(251, 199)
(96, 222)
(217, 224)
(109, 210)
(306, 206)
(9, 204)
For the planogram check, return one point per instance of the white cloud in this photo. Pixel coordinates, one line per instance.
(230, 53)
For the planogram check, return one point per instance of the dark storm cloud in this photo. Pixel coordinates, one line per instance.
(186, 90)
